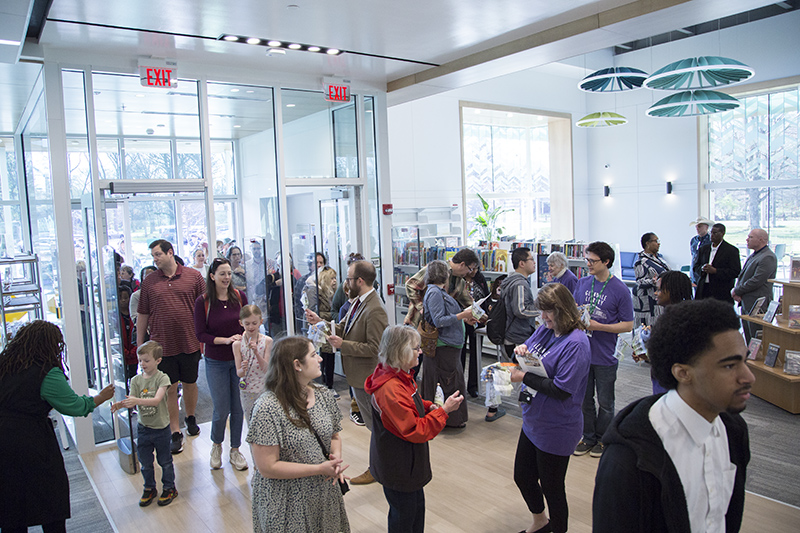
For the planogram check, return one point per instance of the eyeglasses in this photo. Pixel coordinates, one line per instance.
(472, 268)
(655, 240)
(592, 261)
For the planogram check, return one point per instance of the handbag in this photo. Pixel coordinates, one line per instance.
(429, 335)
(343, 486)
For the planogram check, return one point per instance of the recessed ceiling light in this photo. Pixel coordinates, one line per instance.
(9, 43)
(295, 46)
(289, 105)
(274, 43)
(253, 40)
(332, 51)
(230, 38)
(234, 90)
(140, 96)
(250, 92)
(236, 126)
(313, 48)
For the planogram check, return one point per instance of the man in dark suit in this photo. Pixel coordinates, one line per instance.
(358, 337)
(752, 284)
(717, 266)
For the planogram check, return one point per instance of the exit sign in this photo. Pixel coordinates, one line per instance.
(337, 90)
(159, 73)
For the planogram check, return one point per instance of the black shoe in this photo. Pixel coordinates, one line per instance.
(167, 496)
(176, 446)
(147, 497)
(355, 416)
(473, 393)
(191, 426)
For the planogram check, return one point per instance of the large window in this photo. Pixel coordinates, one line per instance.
(11, 238)
(753, 168)
(508, 157)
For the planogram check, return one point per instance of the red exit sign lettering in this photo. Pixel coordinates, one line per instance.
(161, 74)
(336, 90)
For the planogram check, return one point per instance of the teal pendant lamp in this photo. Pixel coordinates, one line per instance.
(693, 103)
(613, 79)
(705, 72)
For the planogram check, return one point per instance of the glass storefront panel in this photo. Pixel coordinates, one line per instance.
(11, 236)
(373, 204)
(245, 115)
(311, 121)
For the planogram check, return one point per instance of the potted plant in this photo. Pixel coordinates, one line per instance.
(486, 222)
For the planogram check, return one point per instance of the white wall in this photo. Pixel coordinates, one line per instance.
(641, 156)
(647, 152)
(425, 145)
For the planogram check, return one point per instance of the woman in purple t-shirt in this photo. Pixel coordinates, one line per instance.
(216, 324)
(552, 420)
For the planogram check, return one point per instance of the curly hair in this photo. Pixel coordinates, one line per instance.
(683, 332)
(677, 285)
(39, 343)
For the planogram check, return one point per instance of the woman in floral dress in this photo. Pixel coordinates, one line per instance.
(295, 487)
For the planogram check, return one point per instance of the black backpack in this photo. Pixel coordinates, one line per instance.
(496, 327)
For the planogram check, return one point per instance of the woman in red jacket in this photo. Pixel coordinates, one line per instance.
(402, 425)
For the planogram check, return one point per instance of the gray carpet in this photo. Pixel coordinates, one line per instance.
(87, 513)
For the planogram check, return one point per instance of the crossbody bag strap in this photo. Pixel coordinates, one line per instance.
(319, 440)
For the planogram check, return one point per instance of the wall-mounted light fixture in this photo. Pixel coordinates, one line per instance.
(606, 191)
(669, 187)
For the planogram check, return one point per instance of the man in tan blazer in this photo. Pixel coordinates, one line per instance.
(358, 337)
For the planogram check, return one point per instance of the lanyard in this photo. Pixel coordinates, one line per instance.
(592, 303)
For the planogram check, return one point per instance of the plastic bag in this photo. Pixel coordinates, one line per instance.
(624, 345)
(318, 333)
(497, 383)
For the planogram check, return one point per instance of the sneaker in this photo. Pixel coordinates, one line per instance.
(357, 419)
(216, 456)
(336, 395)
(147, 497)
(583, 448)
(237, 459)
(491, 417)
(167, 496)
(176, 446)
(191, 426)
(597, 450)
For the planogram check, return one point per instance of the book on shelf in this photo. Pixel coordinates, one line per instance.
(753, 348)
(795, 268)
(756, 309)
(794, 316)
(772, 355)
(769, 316)
(791, 363)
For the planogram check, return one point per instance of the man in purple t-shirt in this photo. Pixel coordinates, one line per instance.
(608, 305)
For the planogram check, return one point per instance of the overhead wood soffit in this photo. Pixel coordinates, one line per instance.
(551, 35)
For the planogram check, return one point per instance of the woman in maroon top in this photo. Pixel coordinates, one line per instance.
(216, 323)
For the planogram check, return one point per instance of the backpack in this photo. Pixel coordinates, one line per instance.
(496, 327)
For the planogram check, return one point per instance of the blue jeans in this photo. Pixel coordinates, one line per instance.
(223, 383)
(155, 439)
(597, 420)
(406, 511)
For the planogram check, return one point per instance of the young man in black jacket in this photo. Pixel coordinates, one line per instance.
(677, 462)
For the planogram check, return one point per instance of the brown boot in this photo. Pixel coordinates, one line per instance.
(364, 479)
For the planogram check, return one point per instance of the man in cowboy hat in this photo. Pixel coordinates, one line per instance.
(701, 239)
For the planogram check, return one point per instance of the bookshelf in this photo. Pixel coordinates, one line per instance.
(419, 236)
(772, 384)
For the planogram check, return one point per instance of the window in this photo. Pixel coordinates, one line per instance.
(753, 168)
(507, 160)
(11, 238)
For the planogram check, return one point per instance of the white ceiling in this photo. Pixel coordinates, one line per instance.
(467, 41)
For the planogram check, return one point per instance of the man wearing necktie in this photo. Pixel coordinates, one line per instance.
(761, 265)
(358, 337)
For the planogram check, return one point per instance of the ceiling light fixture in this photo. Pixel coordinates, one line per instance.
(705, 72)
(272, 43)
(601, 119)
(693, 103)
(9, 43)
(289, 105)
(613, 79)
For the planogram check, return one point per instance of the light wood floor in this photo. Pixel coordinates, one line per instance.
(472, 488)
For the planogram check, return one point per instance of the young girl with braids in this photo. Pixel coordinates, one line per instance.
(35, 488)
(294, 433)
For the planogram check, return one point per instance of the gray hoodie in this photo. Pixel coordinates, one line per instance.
(520, 308)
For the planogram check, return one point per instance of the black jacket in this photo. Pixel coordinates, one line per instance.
(728, 266)
(638, 489)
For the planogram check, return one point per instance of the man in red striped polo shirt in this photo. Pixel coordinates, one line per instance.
(166, 307)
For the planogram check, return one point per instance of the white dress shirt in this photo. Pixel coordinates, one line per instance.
(711, 259)
(699, 451)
